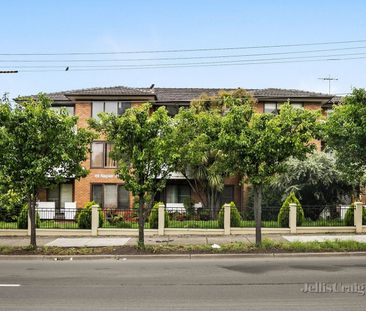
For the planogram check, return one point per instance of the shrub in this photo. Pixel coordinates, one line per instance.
(22, 222)
(283, 215)
(154, 215)
(84, 218)
(189, 207)
(203, 214)
(349, 219)
(234, 216)
(11, 204)
(120, 222)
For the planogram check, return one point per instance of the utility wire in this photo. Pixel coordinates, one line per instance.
(259, 60)
(187, 50)
(200, 65)
(175, 58)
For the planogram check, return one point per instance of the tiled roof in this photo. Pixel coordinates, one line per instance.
(116, 90)
(187, 94)
(96, 91)
(178, 94)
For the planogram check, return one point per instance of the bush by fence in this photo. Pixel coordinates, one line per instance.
(235, 218)
(283, 215)
(84, 217)
(22, 222)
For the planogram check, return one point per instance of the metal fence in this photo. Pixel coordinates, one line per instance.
(58, 219)
(114, 218)
(203, 218)
(325, 216)
(269, 217)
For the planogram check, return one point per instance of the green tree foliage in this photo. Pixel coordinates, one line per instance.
(316, 180)
(143, 148)
(257, 145)
(283, 215)
(345, 133)
(40, 147)
(235, 217)
(11, 204)
(200, 158)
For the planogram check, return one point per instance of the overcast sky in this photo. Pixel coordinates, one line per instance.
(114, 26)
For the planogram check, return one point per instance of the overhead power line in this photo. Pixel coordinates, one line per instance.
(259, 60)
(175, 58)
(187, 50)
(198, 65)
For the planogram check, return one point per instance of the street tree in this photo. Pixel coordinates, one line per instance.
(143, 149)
(200, 158)
(39, 148)
(256, 145)
(345, 134)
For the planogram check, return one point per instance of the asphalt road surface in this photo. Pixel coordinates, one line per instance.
(184, 284)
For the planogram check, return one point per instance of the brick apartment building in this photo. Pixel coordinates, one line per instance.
(102, 186)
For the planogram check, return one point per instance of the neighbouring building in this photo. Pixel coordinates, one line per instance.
(102, 185)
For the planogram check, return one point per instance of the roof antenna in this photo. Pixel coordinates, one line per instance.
(152, 86)
(329, 79)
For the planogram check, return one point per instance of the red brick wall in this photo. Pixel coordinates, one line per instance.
(83, 186)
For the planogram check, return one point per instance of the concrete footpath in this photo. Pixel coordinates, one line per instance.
(174, 240)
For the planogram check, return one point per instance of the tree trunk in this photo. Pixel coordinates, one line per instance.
(258, 213)
(32, 215)
(141, 241)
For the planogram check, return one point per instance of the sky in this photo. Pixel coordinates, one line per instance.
(115, 26)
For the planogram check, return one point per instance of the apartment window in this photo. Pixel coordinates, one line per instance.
(276, 107)
(100, 155)
(113, 107)
(111, 196)
(177, 193)
(270, 108)
(69, 109)
(60, 194)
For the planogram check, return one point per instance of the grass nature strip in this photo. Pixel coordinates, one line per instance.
(268, 246)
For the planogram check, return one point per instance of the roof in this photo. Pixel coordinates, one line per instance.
(115, 91)
(95, 91)
(187, 94)
(178, 94)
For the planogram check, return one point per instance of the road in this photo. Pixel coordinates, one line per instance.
(181, 284)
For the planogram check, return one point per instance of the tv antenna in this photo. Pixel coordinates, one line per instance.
(329, 79)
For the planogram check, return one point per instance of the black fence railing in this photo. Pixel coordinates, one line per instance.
(325, 216)
(204, 218)
(200, 218)
(269, 217)
(127, 219)
(49, 218)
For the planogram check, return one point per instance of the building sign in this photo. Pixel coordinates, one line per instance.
(105, 176)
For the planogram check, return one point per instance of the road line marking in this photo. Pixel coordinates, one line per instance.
(9, 285)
